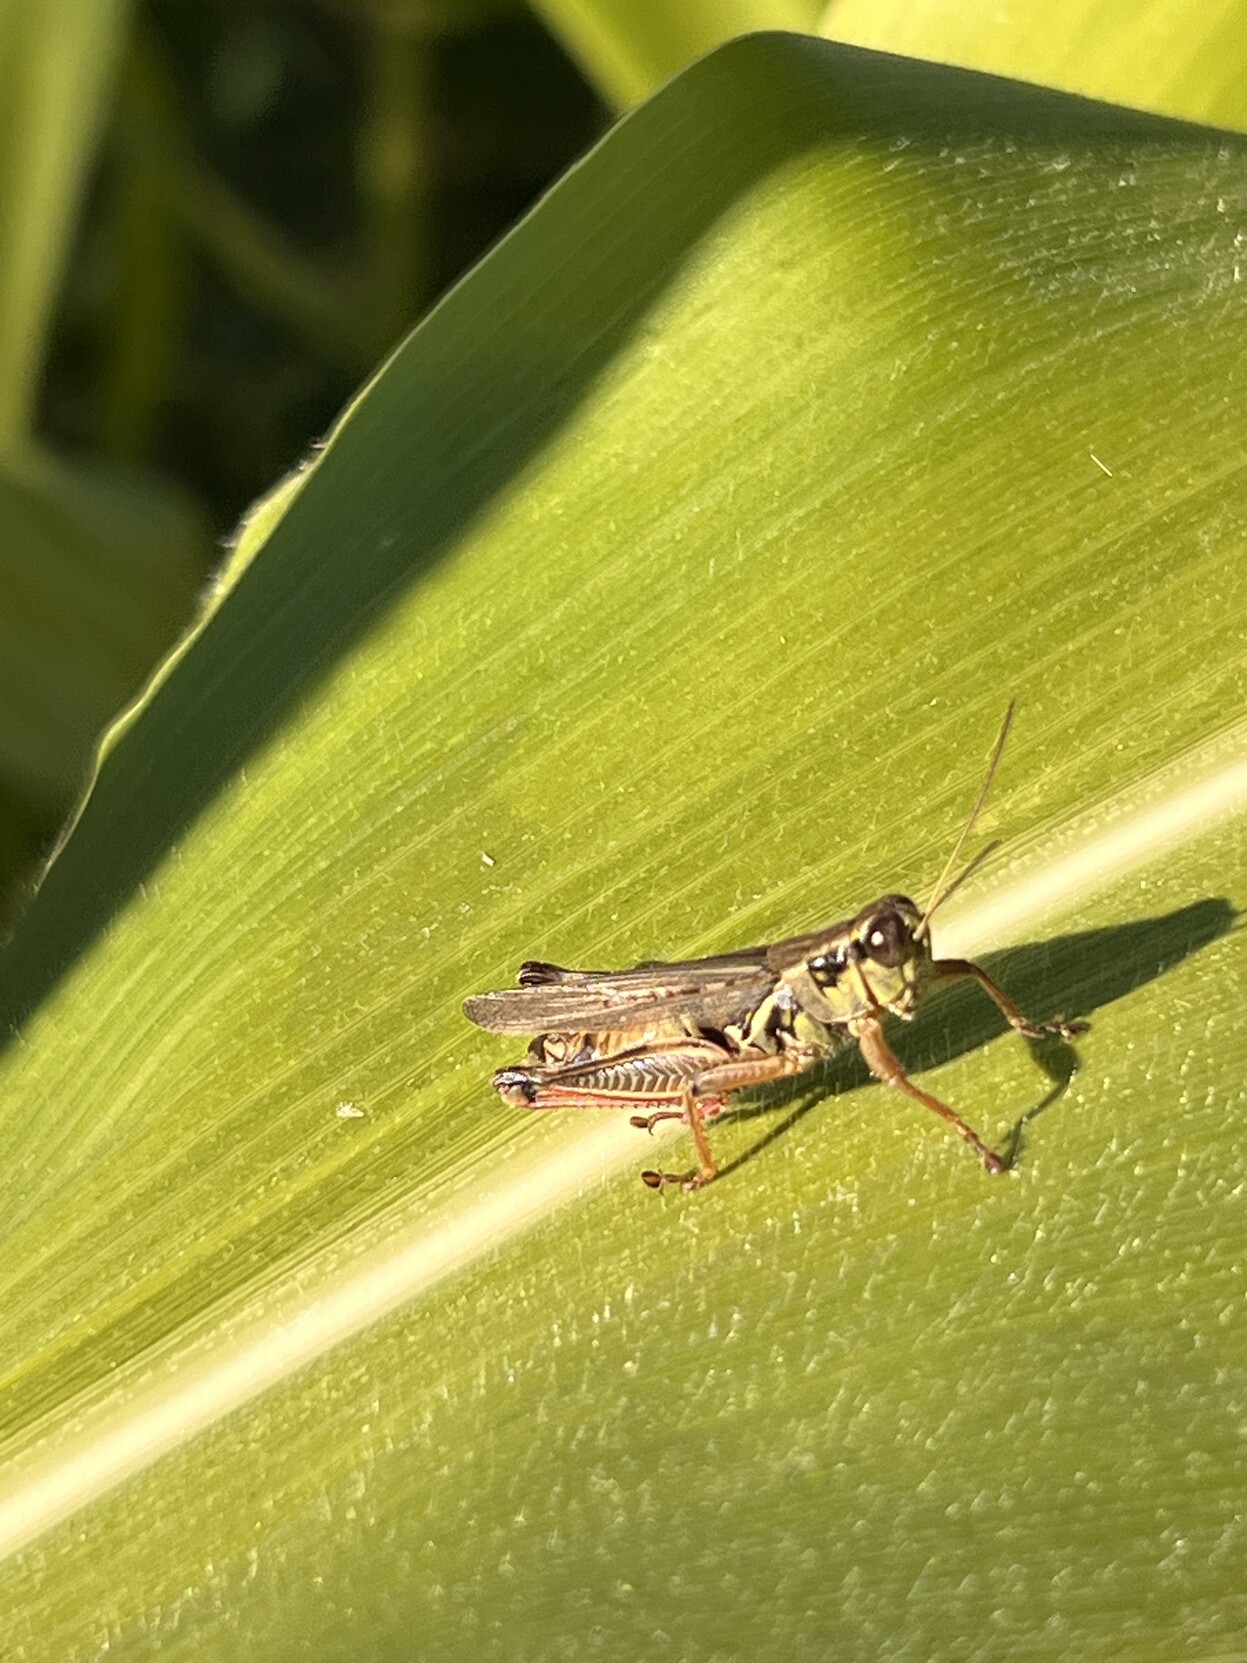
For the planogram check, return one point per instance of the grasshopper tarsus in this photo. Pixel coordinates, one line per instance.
(686, 1181)
(666, 1180)
(1051, 1030)
(647, 1122)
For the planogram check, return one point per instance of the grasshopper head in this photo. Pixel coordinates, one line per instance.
(882, 957)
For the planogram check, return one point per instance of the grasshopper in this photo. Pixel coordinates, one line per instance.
(678, 1041)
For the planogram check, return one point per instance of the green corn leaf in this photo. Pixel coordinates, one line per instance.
(1163, 55)
(663, 593)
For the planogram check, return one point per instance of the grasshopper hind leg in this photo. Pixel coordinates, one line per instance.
(657, 1080)
(686, 1078)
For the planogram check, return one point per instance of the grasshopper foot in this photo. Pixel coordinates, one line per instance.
(683, 1180)
(1061, 1030)
(647, 1122)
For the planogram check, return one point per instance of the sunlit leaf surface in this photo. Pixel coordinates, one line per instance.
(1165, 55)
(663, 593)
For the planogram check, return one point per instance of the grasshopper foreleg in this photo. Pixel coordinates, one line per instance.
(886, 1067)
(955, 970)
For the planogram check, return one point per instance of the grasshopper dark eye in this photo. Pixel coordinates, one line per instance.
(886, 940)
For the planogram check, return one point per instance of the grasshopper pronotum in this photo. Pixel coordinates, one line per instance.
(679, 1040)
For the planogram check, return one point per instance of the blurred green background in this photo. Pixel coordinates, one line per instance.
(280, 192)
(220, 217)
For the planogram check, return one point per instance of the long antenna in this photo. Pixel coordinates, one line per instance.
(943, 888)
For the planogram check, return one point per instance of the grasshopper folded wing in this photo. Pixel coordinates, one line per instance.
(550, 999)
